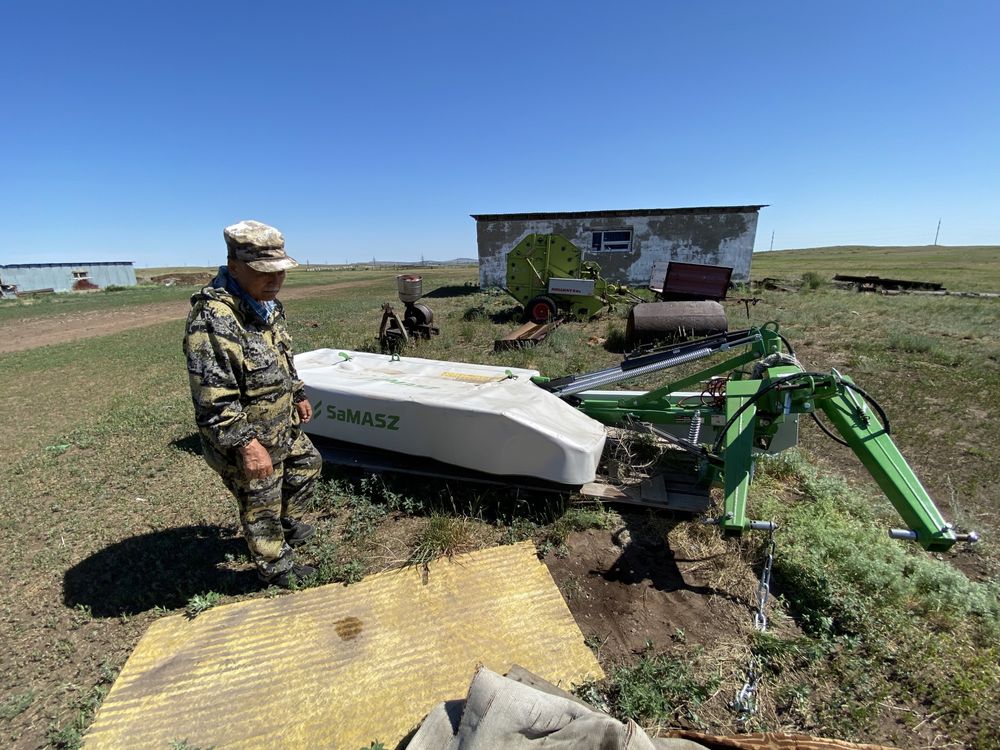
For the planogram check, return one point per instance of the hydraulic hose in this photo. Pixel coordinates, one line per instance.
(790, 378)
(883, 417)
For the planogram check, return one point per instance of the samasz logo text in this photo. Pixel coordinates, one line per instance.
(359, 417)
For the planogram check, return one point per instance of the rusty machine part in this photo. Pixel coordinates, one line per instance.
(392, 334)
(747, 302)
(674, 321)
(674, 281)
(417, 321)
(527, 335)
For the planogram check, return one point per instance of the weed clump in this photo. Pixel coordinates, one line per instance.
(474, 314)
(615, 339)
(660, 688)
(16, 704)
(444, 536)
(813, 281)
(200, 603)
(580, 519)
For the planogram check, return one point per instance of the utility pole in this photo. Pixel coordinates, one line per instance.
(937, 233)
(772, 241)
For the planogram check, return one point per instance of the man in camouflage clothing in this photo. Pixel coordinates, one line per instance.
(248, 401)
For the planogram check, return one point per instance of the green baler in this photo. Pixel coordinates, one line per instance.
(546, 273)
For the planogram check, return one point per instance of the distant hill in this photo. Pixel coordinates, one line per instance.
(399, 263)
(146, 273)
(959, 268)
(455, 262)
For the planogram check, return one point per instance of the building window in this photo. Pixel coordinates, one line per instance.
(612, 241)
(81, 275)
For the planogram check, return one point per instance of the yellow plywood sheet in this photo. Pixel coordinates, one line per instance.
(338, 667)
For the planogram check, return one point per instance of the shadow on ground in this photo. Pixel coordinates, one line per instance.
(164, 568)
(646, 556)
(507, 315)
(188, 444)
(454, 290)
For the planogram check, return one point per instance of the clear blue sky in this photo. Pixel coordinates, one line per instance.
(138, 130)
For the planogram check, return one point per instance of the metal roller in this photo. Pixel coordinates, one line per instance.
(674, 321)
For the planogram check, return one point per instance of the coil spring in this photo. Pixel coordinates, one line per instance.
(694, 429)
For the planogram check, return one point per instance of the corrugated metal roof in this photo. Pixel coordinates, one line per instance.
(73, 265)
(618, 213)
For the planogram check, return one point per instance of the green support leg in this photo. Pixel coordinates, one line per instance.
(887, 466)
(738, 448)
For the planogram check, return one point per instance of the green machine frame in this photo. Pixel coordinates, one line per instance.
(766, 385)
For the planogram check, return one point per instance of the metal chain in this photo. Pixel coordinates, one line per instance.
(745, 703)
(764, 587)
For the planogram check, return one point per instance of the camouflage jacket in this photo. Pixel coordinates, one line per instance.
(243, 380)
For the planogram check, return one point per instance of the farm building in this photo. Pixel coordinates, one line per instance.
(66, 277)
(627, 243)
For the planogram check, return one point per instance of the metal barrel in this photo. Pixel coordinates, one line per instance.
(409, 287)
(673, 321)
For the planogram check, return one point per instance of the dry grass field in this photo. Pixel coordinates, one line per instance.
(110, 519)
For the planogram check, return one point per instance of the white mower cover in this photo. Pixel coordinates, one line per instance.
(491, 419)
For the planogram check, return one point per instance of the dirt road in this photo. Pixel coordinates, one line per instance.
(28, 333)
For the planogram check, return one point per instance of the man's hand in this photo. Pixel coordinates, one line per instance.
(305, 410)
(256, 460)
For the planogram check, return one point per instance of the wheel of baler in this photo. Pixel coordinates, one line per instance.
(540, 309)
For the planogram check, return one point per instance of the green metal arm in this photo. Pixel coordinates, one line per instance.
(861, 430)
(879, 454)
(752, 411)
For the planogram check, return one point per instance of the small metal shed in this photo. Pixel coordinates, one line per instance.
(66, 277)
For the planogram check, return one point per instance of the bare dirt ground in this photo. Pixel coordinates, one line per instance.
(628, 589)
(29, 333)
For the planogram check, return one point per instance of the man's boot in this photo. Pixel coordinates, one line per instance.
(297, 533)
(297, 574)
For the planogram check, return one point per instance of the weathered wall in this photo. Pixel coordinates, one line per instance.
(715, 238)
(59, 276)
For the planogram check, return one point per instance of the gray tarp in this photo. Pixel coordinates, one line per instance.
(501, 713)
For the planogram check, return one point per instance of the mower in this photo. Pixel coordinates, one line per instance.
(519, 428)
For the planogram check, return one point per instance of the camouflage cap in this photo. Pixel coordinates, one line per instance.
(259, 246)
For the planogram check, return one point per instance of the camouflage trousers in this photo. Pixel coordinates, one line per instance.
(263, 503)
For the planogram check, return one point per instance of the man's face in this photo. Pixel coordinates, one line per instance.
(262, 286)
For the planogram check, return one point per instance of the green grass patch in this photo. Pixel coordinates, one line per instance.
(660, 689)
(580, 518)
(16, 704)
(882, 621)
(813, 281)
(202, 603)
(444, 536)
(958, 268)
(102, 482)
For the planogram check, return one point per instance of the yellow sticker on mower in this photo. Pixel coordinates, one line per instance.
(469, 377)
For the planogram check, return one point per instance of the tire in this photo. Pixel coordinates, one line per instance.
(540, 309)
